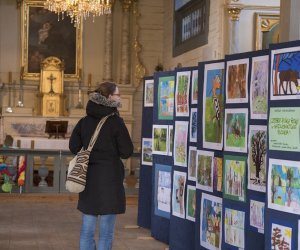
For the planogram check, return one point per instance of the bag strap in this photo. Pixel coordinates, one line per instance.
(97, 131)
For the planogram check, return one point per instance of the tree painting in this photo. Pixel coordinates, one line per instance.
(160, 137)
(258, 152)
(281, 237)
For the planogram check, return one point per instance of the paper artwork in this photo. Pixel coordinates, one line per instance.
(259, 88)
(204, 178)
(180, 143)
(194, 86)
(166, 97)
(285, 64)
(218, 173)
(162, 197)
(191, 203)
(147, 151)
(213, 106)
(237, 81)
(234, 180)
(182, 93)
(281, 237)
(284, 129)
(234, 228)
(192, 163)
(170, 140)
(160, 139)
(179, 181)
(257, 215)
(193, 125)
(148, 93)
(257, 158)
(284, 185)
(211, 222)
(236, 130)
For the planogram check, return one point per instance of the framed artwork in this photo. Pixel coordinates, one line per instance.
(237, 81)
(234, 228)
(267, 30)
(283, 186)
(234, 177)
(281, 237)
(148, 93)
(257, 215)
(284, 129)
(170, 140)
(285, 64)
(204, 170)
(192, 163)
(160, 139)
(162, 196)
(191, 203)
(193, 125)
(182, 93)
(44, 36)
(195, 87)
(166, 97)
(236, 130)
(211, 222)
(218, 173)
(213, 106)
(178, 194)
(180, 143)
(259, 87)
(257, 158)
(147, 151)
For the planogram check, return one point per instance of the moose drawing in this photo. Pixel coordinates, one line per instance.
(287, 77)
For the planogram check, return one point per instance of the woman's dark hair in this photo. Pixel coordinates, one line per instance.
(106, 88)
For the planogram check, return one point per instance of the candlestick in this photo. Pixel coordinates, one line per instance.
(9, 77)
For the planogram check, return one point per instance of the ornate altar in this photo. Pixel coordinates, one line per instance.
(52, 87)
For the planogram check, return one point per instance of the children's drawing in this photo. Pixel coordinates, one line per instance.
(162, 197)
(166, 98)
(170, 140)
(234, 186)
(148, 93)
(204, 170)
(179, 180)
(182, 93)
(284, 185)
(213, 104)
(191, 203)
(147, 151)
(194, 86)
(234, 227)
(257, 215)
(193, 125)
(237, 81)
(236, 129)
(257, 158)
(259, 87)
(160, 139)
(285, 64)
(192, 163)
(218, 173)
(180, 143)
(281, 237)
(211, 222)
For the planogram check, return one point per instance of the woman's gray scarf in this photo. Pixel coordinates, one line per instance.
(100, 99)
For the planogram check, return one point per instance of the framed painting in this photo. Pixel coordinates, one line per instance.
(218, 173)
(204, 170)
(193, 125)
(191, 203)
(180, 143)
(182, 93)
(148, 93)
(165, 99)
(192, 163)
(160, 139)
(147, 151)
(170, 152)
(257, 215)
(178, 194)
(194, 95)
(43, 35)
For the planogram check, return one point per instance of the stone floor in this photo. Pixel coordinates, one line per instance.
(52, 222)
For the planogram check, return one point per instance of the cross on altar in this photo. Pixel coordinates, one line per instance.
(51, 78)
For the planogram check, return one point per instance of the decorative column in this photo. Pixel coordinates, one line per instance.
(125, 51)
(234, 13)
(107, 73)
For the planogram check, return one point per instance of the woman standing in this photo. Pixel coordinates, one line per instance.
(104, 192)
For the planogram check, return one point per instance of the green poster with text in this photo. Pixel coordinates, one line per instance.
(284, 129)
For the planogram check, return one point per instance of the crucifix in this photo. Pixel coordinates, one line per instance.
(51, 78)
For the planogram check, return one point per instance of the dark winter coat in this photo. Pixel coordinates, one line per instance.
(104, 191)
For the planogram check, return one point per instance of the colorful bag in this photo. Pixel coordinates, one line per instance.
(76, 177)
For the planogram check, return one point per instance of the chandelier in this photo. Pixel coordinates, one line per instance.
(78, 9)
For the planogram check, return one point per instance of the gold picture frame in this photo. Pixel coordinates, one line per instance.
(44, 35)
(267, 29)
